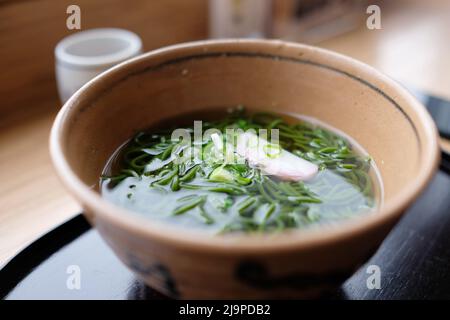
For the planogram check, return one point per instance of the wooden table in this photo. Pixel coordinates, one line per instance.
(411, 47)
(31, 198)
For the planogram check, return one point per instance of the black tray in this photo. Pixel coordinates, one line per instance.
(414, 259)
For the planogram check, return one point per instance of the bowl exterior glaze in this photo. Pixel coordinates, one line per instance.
(273, 75)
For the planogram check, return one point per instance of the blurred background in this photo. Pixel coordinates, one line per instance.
(412, 46)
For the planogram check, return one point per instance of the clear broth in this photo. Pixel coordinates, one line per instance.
(135, 193)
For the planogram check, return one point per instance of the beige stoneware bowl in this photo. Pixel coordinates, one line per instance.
(283, 77)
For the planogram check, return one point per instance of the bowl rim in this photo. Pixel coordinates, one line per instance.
(244, 243)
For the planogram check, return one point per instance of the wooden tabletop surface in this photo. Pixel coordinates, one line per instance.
(413, 47)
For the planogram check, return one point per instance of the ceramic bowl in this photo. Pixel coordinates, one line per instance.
(283, 77)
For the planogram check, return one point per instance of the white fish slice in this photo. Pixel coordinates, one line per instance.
(270, 158)
(274, 160)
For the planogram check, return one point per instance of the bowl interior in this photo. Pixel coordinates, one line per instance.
(275, 76)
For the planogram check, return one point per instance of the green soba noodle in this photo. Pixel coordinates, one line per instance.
(238, 197)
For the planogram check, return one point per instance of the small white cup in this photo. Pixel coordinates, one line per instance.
(85, 54)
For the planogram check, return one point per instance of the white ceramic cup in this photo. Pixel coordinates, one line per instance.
(83, 55)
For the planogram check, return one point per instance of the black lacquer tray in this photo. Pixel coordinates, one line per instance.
(414, 260)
